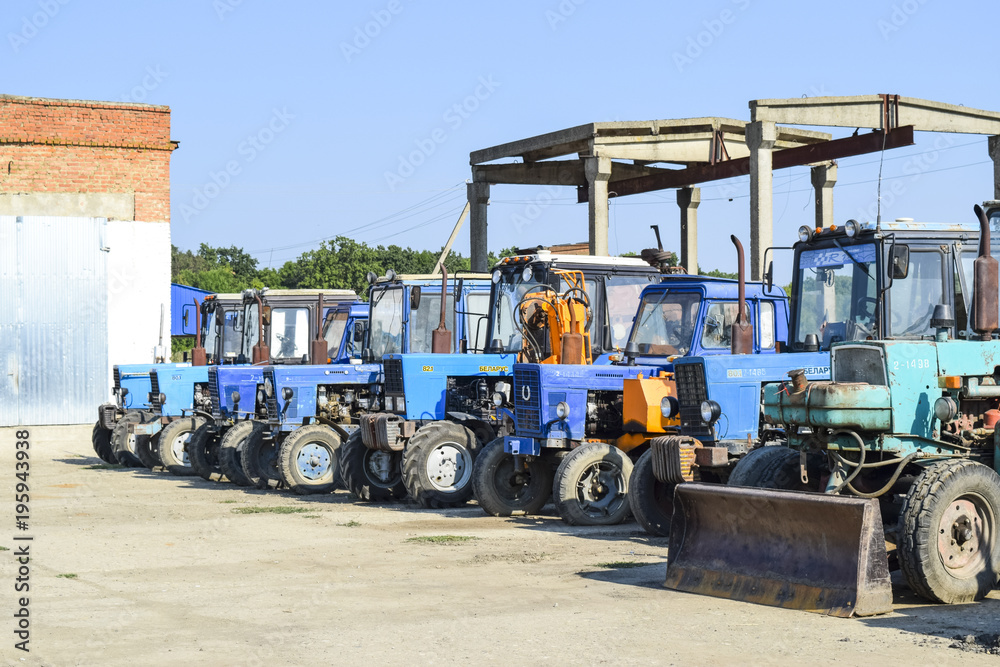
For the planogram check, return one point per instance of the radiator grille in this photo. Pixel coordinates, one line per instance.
(272, 400)
(527, 401)
(393, 369)
(691, 392)
(213, 391)
(154, 392)
(118, 378)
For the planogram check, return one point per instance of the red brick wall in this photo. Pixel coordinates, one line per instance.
(71, 146)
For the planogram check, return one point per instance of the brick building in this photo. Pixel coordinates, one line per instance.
(84, 250)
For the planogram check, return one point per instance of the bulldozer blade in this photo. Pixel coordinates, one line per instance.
(806, 551)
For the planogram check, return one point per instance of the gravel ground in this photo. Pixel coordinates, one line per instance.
(141, 568)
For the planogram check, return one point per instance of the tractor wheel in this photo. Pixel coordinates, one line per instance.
(502, 491)
(123, 444)
(651, 501)
(259, 460)
(203, 453)
(748, 469)
(174, 440)
(437, 465)
(948, 546)
(101, 439)
(147, 446)
(231, 451)
(780, 470)
(371, 475)
(591, 485)
(308, 460)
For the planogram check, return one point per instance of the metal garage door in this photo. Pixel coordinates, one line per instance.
(53, 320)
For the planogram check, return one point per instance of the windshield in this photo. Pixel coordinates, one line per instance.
(509, 292)
(230, 335)
(289, 333)
(719, 319)
(912, 299)
(209, 336)
(666, 322)
(386, 326)
(425, 319)
(623, 299)
(477, 305)
(837, 293)
(333, 331)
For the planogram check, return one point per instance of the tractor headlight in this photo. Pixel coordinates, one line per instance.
(498, 398)
(496, 276)
(851, 228)
(805, 233)
(163, 398)
(669, 407)
(235, 397)
(268, 387)
(286, 394)
(562, 410)
(527, 274)
(400, 404)
(710, 411)
(945, 408)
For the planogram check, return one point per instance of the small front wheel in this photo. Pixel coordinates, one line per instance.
(308, 460)
(174, 440)
(591, 485)
(503, 490)
(651, 501)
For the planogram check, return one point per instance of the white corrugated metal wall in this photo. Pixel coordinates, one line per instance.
(68, 287)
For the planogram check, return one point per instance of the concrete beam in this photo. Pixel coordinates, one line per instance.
(598, 170)
(688, 199)
(993, 143)
(553, 172)
(479, 199)
(761, 136)
(869, 111)
(824, 177)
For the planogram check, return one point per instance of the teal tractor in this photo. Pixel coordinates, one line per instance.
(900, 447)
(440, 404)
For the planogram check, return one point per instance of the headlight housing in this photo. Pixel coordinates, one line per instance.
(268, 387)
(235, 397)
(945, 408)
(286, 394)
(562, 410)
(851, 228)
(498, 399)
(710, 411)
(805, 233)
(669, 407)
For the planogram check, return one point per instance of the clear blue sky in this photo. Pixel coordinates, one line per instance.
(334, 113)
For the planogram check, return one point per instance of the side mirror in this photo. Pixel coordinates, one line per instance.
(237, 321)
(415, 297)
(769, 277)
(359, 331)
(188, 320)
(900, 258)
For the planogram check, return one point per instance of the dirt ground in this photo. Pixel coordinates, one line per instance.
(140, 568)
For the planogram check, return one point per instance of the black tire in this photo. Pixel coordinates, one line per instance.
(503, 492)
(591, 485)
(259, 460)
(122, 445)
(749, 467)
(101, 439)
(147, 448)
(231, 451)
(781, 471)
(359, 468)
(651, 501)
(174, 441)
(939, 562)
(438, 463)
(203, 452)
(309, 460)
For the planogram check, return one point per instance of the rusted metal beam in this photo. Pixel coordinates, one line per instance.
(834, 149)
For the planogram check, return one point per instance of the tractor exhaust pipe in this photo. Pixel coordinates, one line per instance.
(441, 337)
(986, 315)
(198, 355)
(318, 350)
(261, 353)
(742, 331)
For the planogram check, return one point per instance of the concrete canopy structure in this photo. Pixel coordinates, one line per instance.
(602, 155)
(714, 149)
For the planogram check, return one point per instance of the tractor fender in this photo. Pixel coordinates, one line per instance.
(483, 430)
(341, 431)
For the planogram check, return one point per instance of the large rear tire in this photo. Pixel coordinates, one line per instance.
(591, 485)
(203, 452)
(948, 528)
(174, 441)
(308, 461)
(100, 438)
(371, 475)
(231, 451)
(123, 444)
(749, 467)
(437, 465)
(502, 491)
(780, 470)
(259, 460)
(651, 501)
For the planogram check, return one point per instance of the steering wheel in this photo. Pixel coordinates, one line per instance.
(579, 295)
(862, 305)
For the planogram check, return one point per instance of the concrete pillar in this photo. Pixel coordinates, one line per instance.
(761, 136)
(479, 199)
(824, 177)
(994, 146)
(688, 199)
(598, 171)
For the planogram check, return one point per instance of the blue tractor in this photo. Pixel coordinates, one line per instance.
(280, 321)
(217, 343)
(311, 410)
(237, 394)
(843, 289)
(439, 408)
(579, 428)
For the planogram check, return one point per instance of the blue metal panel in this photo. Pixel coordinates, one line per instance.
(182, 299)
(427, 377)
(177, 384)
